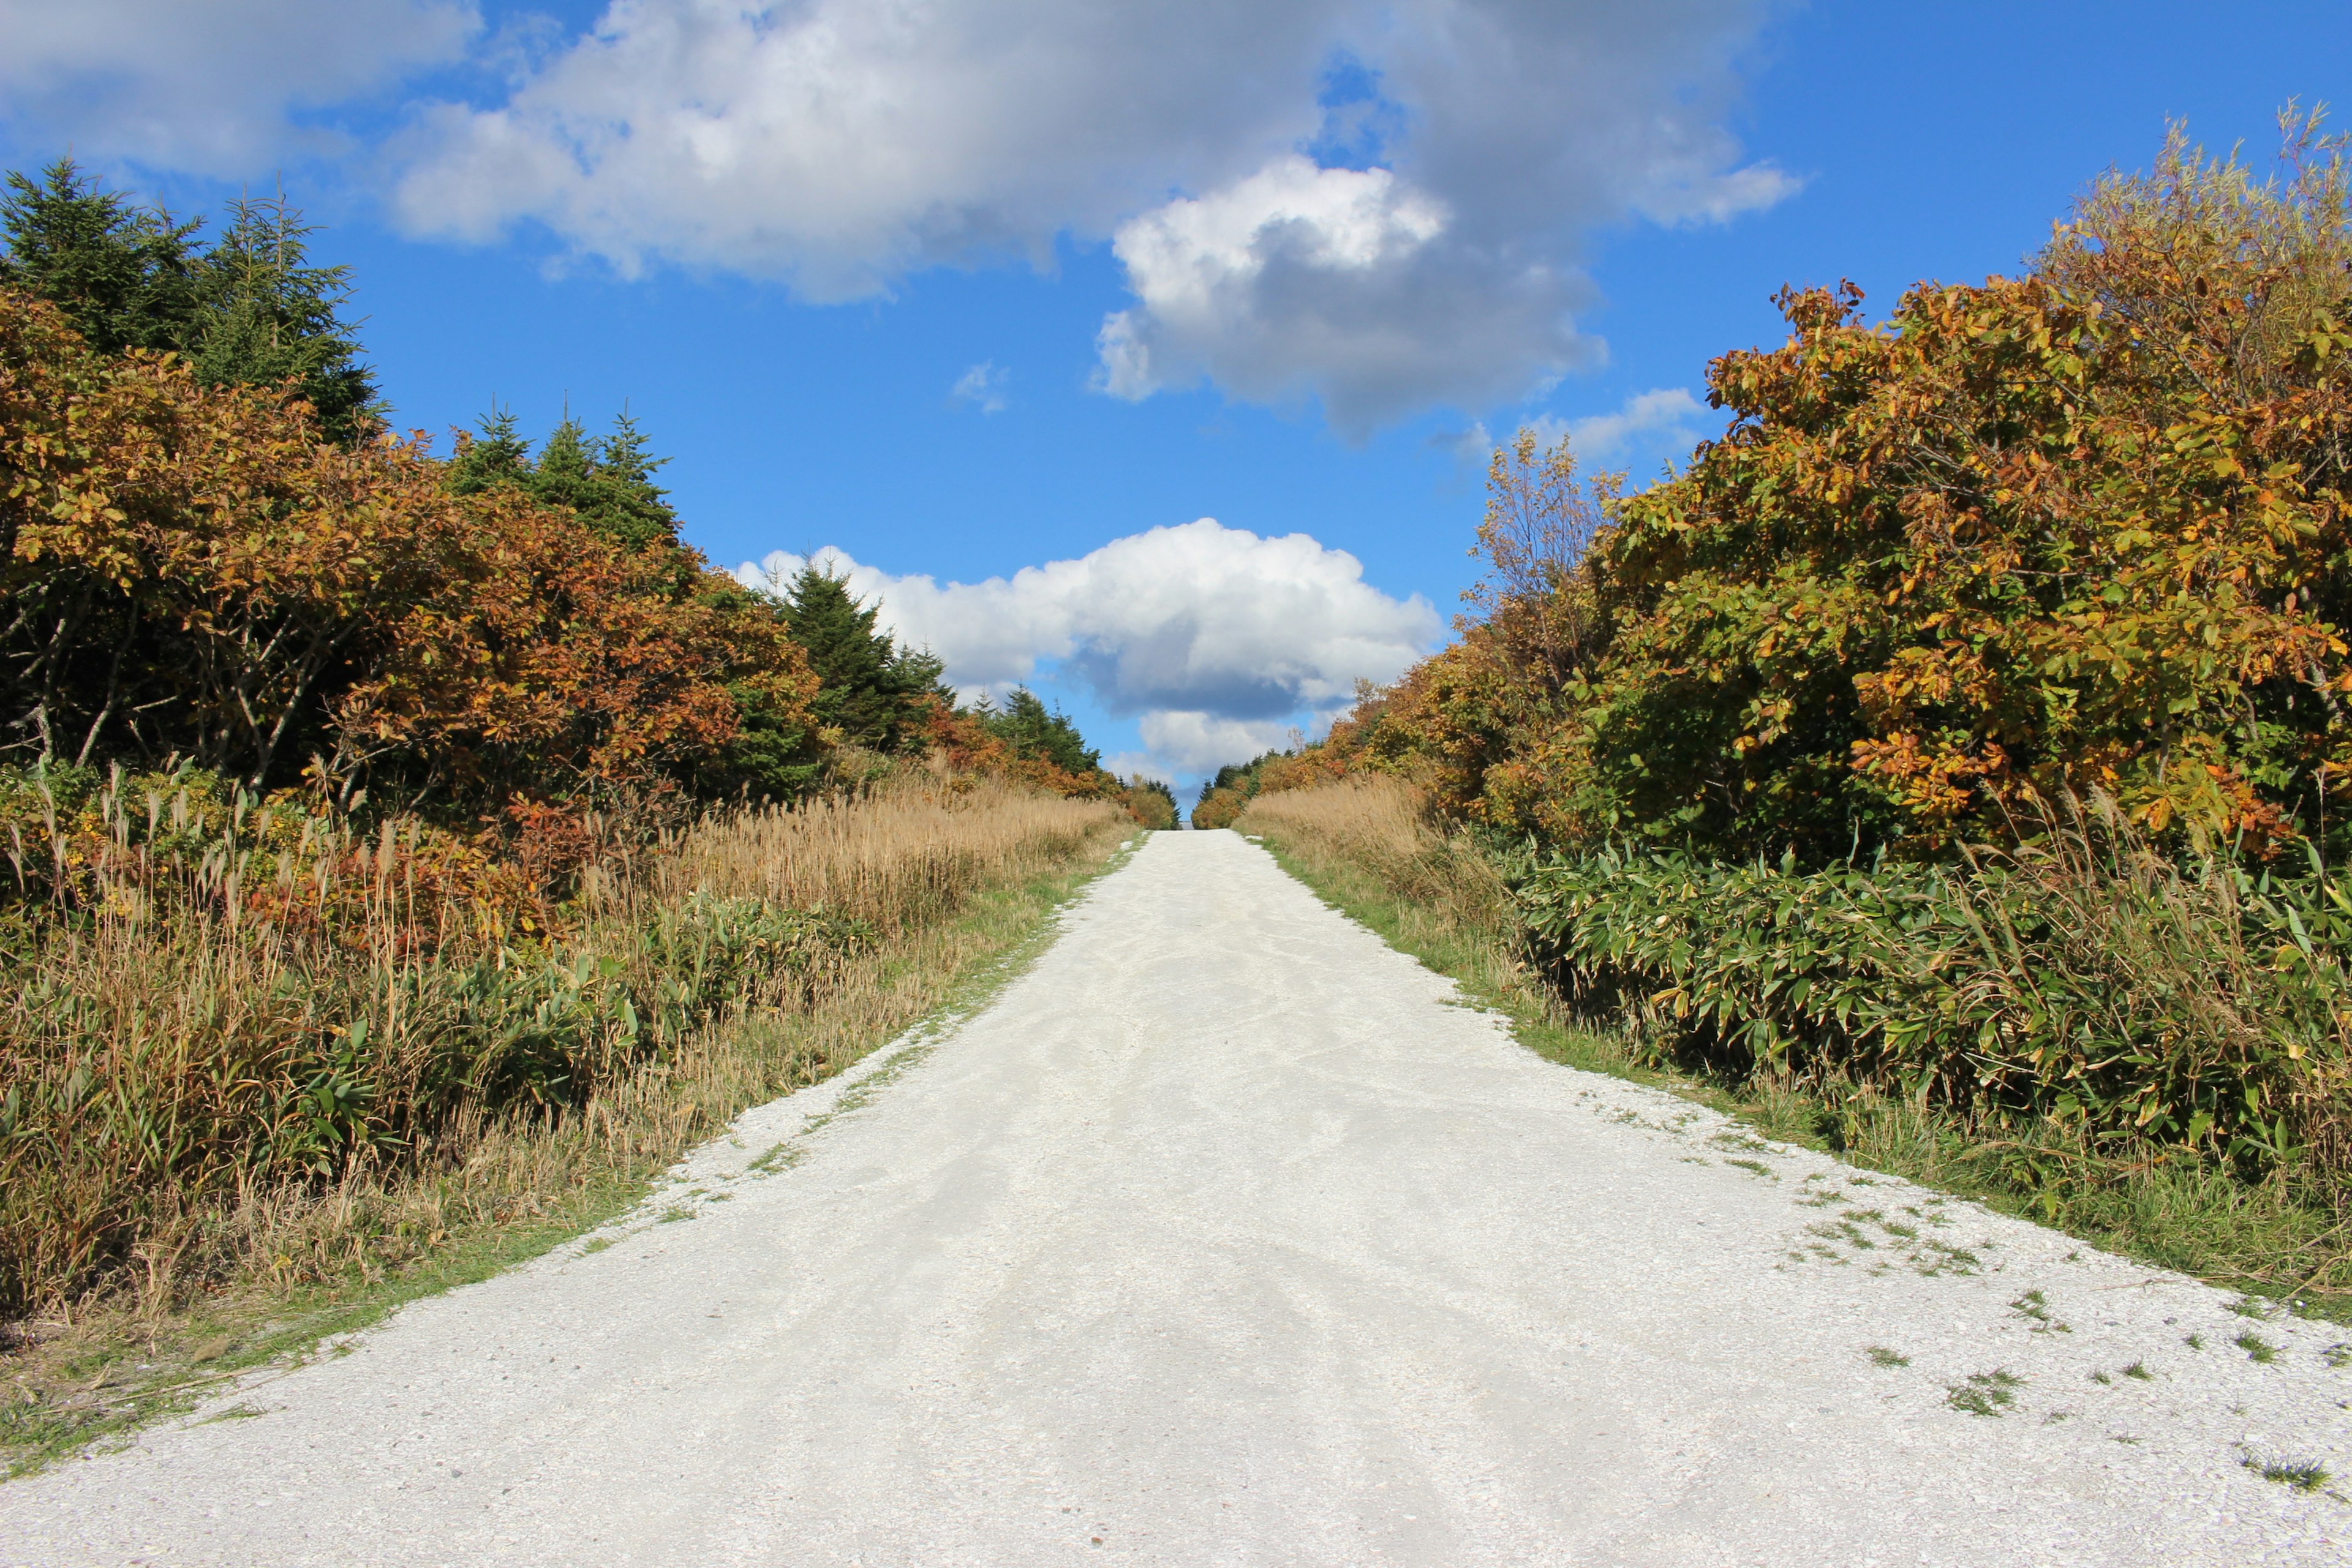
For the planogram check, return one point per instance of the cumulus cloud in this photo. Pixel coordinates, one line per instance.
(1665, 418)
(981, 387)
(1668, 416)
(207, 88)
(1217, 639)
(1195, 742)
(1411, 240)
(1380, 205)
(1302, 280)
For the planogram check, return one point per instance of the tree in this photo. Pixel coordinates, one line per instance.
(122, 274)
(869, 689)
(498, 456)
(268, 319)
(193, 571)
(1032, 730)
(606, 483)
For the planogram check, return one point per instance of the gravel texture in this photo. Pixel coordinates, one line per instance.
(1227, 1234)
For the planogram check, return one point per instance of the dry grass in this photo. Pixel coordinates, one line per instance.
(1374, 825)
(143, 1203)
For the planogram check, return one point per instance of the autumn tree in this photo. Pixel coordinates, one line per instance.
(194, 571)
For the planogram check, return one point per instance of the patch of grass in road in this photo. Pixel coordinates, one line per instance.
(1881, 1356)
(2257, 1348)
(1442, 903)
(1985, 1393)
(88, 1382)
(2301, 1476)
(2034, 1307)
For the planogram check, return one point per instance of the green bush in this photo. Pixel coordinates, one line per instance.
(2143, 1001)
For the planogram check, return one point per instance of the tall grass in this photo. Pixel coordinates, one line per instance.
(249, 1040)
(1999, 1033)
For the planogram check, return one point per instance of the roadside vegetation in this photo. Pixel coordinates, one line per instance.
(1950, 763)
(407, 855)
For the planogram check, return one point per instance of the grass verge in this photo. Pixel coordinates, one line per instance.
(91, 1378)
(1364, 850)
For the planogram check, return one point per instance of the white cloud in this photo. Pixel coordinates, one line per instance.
(1132, 765)
(1195, 744)
(1380, 205)
(206, 88)
(838, 145)
(1668, 416)
(981, 387)
(1344, 283)
(1214, 637)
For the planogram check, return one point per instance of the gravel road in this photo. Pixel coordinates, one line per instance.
(1228, 1236)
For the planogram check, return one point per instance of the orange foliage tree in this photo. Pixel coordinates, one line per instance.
(193, 573)
(2079, 529)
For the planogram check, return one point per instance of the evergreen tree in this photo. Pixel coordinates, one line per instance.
(266, 319)
(498, 456)
(122, 274)
(607, 483)
(628, 506)
(1032, 729)
(868, 688)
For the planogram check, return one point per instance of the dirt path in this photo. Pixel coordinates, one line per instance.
(1222, 1238)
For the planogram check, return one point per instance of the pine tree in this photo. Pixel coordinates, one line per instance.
(868, 688)
(122, 274)
(266, 319)
(606, 483)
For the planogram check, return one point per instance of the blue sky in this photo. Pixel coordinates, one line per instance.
(1275, 265)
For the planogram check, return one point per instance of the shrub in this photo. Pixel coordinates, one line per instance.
(2080, 977)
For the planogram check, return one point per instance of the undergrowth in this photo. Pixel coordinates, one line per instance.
(254, 1270)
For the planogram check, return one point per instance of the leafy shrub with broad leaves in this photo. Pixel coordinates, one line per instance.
(2079, 977)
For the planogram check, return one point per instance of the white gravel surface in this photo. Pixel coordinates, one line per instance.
(1228, 1236)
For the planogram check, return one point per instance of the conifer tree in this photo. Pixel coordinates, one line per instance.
(607, 483)
(122, 274)
(623, 502)
(1032, 729)
(266, 318)
(499, 455)
(868, 688)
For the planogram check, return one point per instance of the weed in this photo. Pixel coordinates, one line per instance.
(2194, 1342)
(1935, 1257)
(1985, 1393)
(1757, 1166)
(2035, 1307)
(1881, 1356)
(674, 1214)
(1369, 849)
(234, 1412)
(972, 877)
(2339, 1357)
(2102, 1379)
(2257, 1348)
(2254, 1306)
(2301, 1478)
(2138, 1371)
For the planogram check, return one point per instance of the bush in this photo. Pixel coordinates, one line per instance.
(2079, 978)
